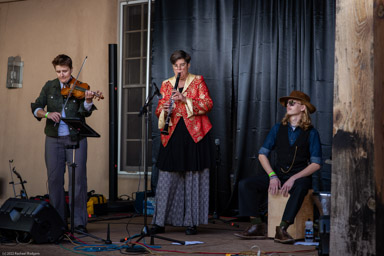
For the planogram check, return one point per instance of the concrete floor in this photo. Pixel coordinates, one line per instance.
(217, 239)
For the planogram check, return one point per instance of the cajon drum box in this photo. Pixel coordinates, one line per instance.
(276, 206)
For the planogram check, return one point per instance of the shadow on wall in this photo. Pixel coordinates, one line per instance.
(3, 187)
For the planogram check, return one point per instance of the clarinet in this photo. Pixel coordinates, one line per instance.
(170, 109)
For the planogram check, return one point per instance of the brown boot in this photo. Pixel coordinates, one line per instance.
(256, 231)
(282, 236)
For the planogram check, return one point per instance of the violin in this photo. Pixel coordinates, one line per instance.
(78, 90)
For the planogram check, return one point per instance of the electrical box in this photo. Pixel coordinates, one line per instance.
(15, 72)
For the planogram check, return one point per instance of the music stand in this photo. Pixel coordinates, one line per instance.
(82, 130)
(80, 127)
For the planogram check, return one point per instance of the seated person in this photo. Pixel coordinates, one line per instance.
(298, 149)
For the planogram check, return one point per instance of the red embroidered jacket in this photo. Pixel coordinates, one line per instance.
(199, 103)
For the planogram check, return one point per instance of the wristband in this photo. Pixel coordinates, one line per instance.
(273, 177)
(46, 115)
(272, 173)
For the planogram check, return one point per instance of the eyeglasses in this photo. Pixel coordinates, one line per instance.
(182, 65)
(292, 103)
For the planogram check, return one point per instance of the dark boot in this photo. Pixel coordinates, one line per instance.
(191, 230)
(156, 229)
(256, 231)
(81, 229)
(282, 236)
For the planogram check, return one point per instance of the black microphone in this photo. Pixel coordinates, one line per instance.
(157, 91)
(217, 142)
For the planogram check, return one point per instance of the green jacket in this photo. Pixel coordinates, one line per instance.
(51, 97)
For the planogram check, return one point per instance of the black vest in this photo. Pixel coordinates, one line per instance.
(292, 159)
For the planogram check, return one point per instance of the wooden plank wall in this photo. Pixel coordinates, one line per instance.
(357, 166)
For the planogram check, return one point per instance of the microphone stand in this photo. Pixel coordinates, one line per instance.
(216, 215)
(144, 231)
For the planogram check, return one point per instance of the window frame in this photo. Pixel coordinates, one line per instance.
(121, 58)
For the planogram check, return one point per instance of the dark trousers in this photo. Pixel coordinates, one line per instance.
(57, 156)
(252, 190)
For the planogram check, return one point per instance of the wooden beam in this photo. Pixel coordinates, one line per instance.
(355, 164)
(378, 28)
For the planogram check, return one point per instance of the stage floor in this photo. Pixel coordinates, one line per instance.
(217, 239)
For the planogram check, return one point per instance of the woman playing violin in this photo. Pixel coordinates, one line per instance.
(59, 136)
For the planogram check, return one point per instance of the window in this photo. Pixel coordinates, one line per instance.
(133, 56)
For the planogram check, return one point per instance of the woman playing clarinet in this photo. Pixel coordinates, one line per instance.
(182, 194)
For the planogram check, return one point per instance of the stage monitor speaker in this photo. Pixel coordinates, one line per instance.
(23, 220)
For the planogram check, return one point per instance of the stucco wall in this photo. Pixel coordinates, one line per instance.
(39, 30)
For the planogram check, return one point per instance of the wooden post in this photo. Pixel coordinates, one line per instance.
(378, 28)
(357, 166)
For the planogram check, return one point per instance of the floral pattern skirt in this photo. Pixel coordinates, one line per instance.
(182, 198)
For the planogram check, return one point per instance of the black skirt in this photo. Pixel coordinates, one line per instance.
(183, 154)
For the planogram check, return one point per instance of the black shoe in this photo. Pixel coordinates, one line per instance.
(81, 229)
(191, 230)
(156, 229)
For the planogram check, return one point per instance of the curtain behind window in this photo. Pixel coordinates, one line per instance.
(250, 53)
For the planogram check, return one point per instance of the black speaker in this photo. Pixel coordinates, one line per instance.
(23, 220)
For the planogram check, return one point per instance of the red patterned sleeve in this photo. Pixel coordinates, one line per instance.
(202, 102)
(166, 93)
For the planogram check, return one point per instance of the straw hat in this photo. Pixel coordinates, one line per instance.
(298, 95)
